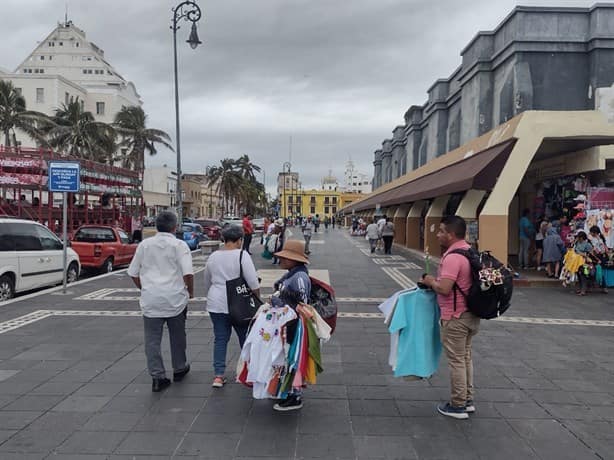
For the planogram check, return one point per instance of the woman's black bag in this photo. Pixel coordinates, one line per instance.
(242, 302)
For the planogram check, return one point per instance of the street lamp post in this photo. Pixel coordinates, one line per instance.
(189, 11)
(287, 168)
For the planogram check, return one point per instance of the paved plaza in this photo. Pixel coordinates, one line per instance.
(73, 383)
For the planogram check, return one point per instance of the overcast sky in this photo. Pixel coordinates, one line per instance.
(335, 75)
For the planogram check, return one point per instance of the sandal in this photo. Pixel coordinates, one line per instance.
(219, 382)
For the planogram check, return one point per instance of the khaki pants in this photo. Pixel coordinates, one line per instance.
(456, 337)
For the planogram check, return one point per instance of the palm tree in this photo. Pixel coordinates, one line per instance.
(13, 115)
(77, 133)
(227, 181)
(130, 123)
(246, 168)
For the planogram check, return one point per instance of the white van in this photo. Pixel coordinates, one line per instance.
(31, 257)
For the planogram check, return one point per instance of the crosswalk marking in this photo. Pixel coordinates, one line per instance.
(397, 264)
(38, 315)
(404, 281)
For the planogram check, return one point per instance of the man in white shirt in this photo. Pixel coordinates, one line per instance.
(373, 235)
(162, 270)
(307, 229)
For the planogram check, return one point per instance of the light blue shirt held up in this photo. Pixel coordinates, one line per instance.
(416, 318)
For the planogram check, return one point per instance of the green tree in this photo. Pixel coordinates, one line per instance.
(131, 123)
(13, 115)
(235, 181)
(77, 133)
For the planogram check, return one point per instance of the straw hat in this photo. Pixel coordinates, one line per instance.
(293, 250)
(279, 222)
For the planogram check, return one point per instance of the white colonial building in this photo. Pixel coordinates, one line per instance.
(356, 181)
(65, 66)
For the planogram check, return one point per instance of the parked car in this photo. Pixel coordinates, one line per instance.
(258, 226)
(212, 228)
(232, 220)
(103, 248)
(31, 256)
(193, 234)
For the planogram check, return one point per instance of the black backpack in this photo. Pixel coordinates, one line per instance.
(492, 284)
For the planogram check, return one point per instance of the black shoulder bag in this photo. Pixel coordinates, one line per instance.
(242, 302)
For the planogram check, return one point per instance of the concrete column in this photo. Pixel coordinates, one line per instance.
(431, 224)
(412, 225)
(468, 209)
(400, 222)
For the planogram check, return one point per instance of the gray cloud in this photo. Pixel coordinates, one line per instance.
(336, 76)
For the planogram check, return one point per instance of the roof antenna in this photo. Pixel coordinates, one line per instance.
(66, 15)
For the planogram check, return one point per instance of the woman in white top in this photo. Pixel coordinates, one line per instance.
(222, 266)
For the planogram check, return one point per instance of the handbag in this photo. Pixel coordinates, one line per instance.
(242, 302)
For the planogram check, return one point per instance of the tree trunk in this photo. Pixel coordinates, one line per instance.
(7, 138)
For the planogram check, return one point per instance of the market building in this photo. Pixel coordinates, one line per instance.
(524, 122)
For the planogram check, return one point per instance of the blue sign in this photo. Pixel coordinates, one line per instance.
(64, 176)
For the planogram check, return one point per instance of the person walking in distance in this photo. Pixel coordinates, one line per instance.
(458, 324)
(248, 230)
(162, 270)
(388, 235)
(307, 229)
(373, 235)
(526, 234)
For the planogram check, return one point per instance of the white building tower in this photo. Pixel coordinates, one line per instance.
(355, 181)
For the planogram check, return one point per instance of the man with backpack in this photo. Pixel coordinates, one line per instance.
(458, 325)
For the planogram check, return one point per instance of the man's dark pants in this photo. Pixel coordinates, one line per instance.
(154, 328)
(247, 241)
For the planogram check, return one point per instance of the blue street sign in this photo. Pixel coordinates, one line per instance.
(64, 176)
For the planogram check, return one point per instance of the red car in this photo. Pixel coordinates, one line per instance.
(103, 248)
(211, 227)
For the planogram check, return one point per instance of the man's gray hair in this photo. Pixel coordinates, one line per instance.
(166, 221)
(232, 233)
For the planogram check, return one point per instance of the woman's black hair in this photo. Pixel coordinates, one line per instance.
(597, 231)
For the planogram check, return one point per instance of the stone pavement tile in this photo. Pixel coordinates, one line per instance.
(573, 412)
(34, 402)
(58, 456)
(176, 404)
(99, 389)
(209, 446)
(549, 439)
(218, 423)
(136, 389)
(326, 407)
(445, 446)
(533, 383)
(384, 448)
(326, 392)
(90, 442)
(526, 410)
(501, 395)
(495, 438)
(266, 444)
(68, 421)
(418, 408)
(604, 412)
(187, 389)
(24, 456)
(151, 443)
(167, 421)
(82, 404)
(368, 392)
(148, 457)
(75, 375)
(112, 421)
(316, 424)
(6, 433)
(230, 391)
(7, 373)
(227, 406)
(16, 420)
(376, 407)
(414, 391)
(34, 441)
(133, 404)
(582, 385)
(56, 388)
(263, 418)
(554, 396)
(325, 446)
(376, 425)
(595, 399)
(9, 387)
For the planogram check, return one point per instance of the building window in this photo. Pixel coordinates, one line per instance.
(326, 200)
(313, 199)
(313, 210)
(51, 44)
(40, 95)
(326, 209)
(77, 44)
(334, 200)
(99, 108)
(61, 43)
(82, 102)
(66, 96)
(334, 210)
(42, 58)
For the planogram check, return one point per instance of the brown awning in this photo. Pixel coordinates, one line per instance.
(480, 172)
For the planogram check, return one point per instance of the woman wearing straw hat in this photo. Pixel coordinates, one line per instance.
(293, 288)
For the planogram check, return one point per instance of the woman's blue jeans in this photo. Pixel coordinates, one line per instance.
(221, 331)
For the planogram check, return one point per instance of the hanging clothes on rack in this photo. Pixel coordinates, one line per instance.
(416, 320)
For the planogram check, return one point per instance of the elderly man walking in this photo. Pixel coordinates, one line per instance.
(162, 270)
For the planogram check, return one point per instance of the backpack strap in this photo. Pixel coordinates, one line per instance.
(455, 286)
